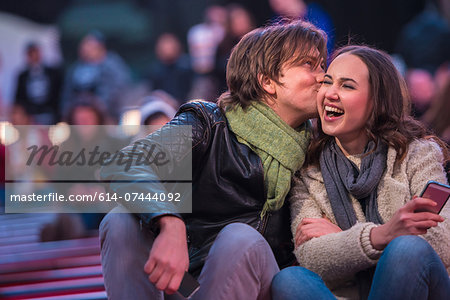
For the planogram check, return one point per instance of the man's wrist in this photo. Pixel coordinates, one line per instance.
(170, 222)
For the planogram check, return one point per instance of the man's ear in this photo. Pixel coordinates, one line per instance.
(267, 84)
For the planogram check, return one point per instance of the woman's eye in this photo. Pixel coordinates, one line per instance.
(326, 82)
(348, 87)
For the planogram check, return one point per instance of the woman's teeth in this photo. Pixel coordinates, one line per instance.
(333, 111)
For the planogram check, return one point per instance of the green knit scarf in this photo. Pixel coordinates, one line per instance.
(281, 148)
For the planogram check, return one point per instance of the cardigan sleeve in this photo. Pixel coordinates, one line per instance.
(336, 257)
(424, 163)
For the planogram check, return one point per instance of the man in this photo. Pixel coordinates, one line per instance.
(38, 88)
(98, 72)
(171, 71)
(244, 152)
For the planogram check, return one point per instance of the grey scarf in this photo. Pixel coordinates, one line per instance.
(341, 177)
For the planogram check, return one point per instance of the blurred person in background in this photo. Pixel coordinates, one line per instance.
(18, 115)
(422, 88)
(424, 46)
(2, 177)
(18, 152)
(156, 112)
(239, 22)
(437, 116)
(203, 40)
(88, 113)
(310, 11)
(87, 110)
(99, 72)
(2, 104)
(39, 87)
(424, 42)
(171, 72)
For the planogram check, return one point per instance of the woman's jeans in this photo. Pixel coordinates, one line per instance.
(409, 268)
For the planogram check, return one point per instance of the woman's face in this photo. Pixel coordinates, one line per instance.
(85, 116)
(344, 102)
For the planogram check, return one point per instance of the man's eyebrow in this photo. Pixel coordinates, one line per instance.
(303, 58)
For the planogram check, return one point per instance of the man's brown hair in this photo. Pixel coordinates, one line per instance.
(263, 52)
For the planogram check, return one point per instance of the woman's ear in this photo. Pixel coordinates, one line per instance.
(267, 84)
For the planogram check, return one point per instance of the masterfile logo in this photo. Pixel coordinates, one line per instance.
(91, 168)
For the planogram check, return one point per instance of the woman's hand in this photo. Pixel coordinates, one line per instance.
(314, 227)
(406, 221)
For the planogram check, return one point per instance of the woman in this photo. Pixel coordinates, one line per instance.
(353, 205)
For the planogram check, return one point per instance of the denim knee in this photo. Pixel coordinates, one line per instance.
(292, 276)
(119, 228)
(409, 245)
(241, 236)
(295, 283)
(408, 254)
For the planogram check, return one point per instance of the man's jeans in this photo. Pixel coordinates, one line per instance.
(240, 264)
(409, 268)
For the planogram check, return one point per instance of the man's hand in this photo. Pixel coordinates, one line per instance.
(406, 222)
(168, 258)
(314, 227)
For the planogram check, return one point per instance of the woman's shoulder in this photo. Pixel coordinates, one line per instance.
(310, 173)
(308, 180)
(424, 145)
(419, 149)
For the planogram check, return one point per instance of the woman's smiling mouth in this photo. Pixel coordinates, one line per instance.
(332, 113)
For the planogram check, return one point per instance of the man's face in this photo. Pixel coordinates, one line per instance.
(295, 96)
(91, 50)
(168, 48)
(34, 56)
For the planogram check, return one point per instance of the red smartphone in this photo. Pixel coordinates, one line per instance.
(438, 192)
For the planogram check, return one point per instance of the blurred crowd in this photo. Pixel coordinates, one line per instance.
(101, 77)
(99, 87)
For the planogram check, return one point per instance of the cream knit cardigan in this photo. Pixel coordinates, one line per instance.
(337, 257)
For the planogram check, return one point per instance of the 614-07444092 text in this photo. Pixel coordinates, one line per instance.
(102, 197)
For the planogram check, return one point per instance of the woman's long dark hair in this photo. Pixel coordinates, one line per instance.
(390, 120)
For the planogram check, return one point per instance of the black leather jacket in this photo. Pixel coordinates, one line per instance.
(227, 186)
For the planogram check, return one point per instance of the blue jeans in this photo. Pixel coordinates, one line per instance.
(240, 263)
(409, 268)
